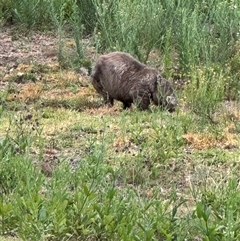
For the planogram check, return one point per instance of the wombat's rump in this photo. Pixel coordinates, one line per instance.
(118, 76)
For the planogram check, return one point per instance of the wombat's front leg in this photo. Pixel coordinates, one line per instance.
(126, 105)
(140, 97)
(142, 101)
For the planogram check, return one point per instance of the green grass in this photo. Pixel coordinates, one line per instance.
(71, 169)
(111, 174)
(8, 239)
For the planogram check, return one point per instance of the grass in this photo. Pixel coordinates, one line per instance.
(81, 171)
(104, 173)
(8, 239)
(74, 169)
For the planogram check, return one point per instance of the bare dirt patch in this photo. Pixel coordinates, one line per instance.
(16, 48)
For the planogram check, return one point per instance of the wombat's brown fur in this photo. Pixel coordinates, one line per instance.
(119, 76)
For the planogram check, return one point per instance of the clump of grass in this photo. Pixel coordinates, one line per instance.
(78, 103)
(116, 29)
(88, 195)
(213, 221)
(24, 129)
(21, 78)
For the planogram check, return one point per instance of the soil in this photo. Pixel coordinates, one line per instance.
(16, 48)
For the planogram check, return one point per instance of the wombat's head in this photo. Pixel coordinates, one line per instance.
(164, 94)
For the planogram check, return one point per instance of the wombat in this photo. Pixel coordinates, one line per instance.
(118, 76)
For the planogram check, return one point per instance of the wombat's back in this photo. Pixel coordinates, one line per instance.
(119, 63)
(117, 73)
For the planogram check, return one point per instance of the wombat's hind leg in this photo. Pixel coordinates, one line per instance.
(108, 101)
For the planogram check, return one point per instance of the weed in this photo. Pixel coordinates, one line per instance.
(211, 220)
(23, 130)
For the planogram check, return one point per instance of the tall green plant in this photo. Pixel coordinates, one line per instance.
(88, 15)
(57, 13)
(205, 92)
(31, 13)
(67, 12)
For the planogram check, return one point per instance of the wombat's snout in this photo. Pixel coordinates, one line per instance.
(171, 103)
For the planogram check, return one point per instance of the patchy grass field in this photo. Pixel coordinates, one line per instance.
(73, 169)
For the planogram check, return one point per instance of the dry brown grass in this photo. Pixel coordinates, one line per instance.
(28, 92)
(201, 141)
(104, 110)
